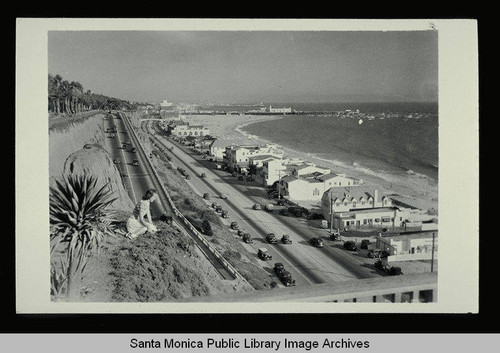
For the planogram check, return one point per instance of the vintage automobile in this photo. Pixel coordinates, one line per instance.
(317, 242)
(350, 245)
(206, 196)
(135, 162)
(271, 238)
(364, 244)
(285, 239)
(257, 206)
(264, 254)
(247, 238)
(234, 225)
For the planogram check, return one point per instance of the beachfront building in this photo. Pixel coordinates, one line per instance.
(266, 170)
(238, 157)
(183, 130)
(280, 110)
(309, 182)
(361, 207)
(217, 150)
(409, 246)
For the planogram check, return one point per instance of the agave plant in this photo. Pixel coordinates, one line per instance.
(79, 219)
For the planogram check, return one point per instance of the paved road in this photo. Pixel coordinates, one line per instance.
(138, 179)
(307, 263)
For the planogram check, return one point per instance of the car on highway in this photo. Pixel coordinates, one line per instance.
(280, 203)
(257, 206)
(234, 225)
(240, 232)
(218, 209)
(335, 234)
(264, 254)
(214, 205)
(112, 136)
(269, 207)
(203, 175)
(285, 239)
(278, 268)
(350, 245)
(133, 150)
(135, 162)
(223, 196)
(284, 276)
(364, 244)
(188, 177)
(317, 242)
(247, 238)
(224, 214)
(88, 146)
(271, 238)
(116, 160)
(206, 196)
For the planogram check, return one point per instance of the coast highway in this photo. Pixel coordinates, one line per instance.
(138, 179)
(306, 263)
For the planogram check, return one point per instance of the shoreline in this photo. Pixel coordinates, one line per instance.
(418, 190)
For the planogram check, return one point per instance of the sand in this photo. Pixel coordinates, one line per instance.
(417, 190)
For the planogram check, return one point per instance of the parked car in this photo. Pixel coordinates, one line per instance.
(271, 238)
(257, 206)
(297, 212)
(88, 146)
(390, 270)
(133, 150)
(240, 232)
(285, 239)
(317, 242)
(247, 238)
(284, 212)
(364, 244)
(188, 177)
(377, 253)
(224, 214)
(218, 209)
(206, 196)
(112, 136)
(264, 254)
(240, 178)
(214, 205)
(269, 207)
(335, 236)
(234, 225)
(350, 245)
(135, 162)
(280, 203)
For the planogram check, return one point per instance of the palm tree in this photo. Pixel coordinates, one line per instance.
(79, 219)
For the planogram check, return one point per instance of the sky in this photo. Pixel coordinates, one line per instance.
(250, 66)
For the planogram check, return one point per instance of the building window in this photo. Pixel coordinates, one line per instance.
(354, 204)
(315, 191)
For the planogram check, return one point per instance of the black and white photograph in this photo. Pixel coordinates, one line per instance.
(252, 166)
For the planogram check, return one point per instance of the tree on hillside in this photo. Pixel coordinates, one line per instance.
(79, 219)
(70, 98)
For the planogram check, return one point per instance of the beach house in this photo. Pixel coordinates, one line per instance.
(238, 157)
(356, 207)
(183, 130)
(409, 246)
(309, 182)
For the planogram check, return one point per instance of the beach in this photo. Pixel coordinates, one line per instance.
(413, 188)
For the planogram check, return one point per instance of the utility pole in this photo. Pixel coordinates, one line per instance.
(331, 214)
(279, 184)
(432, 262)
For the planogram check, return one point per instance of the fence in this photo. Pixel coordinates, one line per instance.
(188, 224)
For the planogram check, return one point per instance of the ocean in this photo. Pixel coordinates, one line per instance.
(383, 137)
